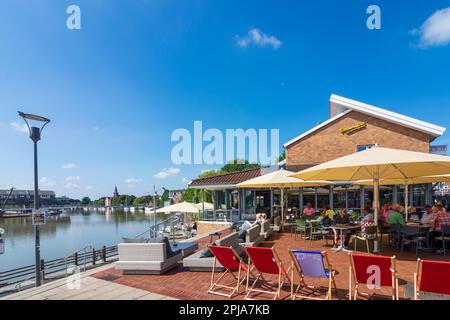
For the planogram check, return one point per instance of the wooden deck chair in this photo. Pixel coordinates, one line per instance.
(431, 277)
(266, 261)
(374, 272)
(311, 264)
(231, 262)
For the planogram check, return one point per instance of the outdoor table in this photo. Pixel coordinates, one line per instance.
(341, 229)
(423, 228)
(186, 247)
(214, 234)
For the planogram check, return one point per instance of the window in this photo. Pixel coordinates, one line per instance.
(364, 147)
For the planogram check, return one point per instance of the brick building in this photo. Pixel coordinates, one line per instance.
(352, 126)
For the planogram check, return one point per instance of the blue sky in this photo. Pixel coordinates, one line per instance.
(137, 70)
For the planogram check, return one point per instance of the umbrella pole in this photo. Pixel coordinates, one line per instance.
(406, 201)
(376, 205)
(282, 204)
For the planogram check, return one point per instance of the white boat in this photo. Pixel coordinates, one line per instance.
(148, 210)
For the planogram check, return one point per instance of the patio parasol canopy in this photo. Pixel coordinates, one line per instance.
(380, 163)
(183, 207)
(280, 179)
(377, 164)
(410, 181)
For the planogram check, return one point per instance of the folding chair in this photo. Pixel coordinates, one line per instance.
(431, 277)
(231, 262)
(374, 272)
(311, 264)
(266, 261)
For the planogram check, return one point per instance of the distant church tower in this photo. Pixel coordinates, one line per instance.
(116, 193)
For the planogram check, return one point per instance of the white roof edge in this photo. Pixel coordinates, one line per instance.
(426, 127)
(321, 125)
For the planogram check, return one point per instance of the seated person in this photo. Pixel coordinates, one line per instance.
(440, 218)
(339, 220)
(309, 211)
(367, 214)
(427, 215)
(327, 215)
(385, 210)
(395, 216)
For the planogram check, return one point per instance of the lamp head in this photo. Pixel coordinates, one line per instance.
(35, 131)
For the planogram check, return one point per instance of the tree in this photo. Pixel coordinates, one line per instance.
(282, 157)
(143, 200)
(86, 201)
(195, 196)
(238, 165)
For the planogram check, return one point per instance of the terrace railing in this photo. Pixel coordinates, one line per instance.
(220, 215)
(18, 278)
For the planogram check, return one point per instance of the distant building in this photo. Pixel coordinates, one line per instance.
(26, 198)
(175, 195)
(108, 202)
(116, 193)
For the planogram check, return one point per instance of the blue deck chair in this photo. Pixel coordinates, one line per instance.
(311, 264)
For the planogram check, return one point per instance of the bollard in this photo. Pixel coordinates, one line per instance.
(42, 269)
(104, 253)
(93, 256)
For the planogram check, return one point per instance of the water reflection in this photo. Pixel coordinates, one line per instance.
(62, 235)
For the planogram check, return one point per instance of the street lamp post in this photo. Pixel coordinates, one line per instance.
(155, 194)
(35, 136)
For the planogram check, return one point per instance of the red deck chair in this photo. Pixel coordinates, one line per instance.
(266, 261)
(432, 277)
(231, 262)
(373, 272)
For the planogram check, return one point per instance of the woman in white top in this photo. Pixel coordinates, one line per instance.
(427, 215)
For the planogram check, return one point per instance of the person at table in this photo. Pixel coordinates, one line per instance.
(440, 218)
(309, 211)
(395, 216)
(427, 215)
(327, 216)
(367, 214)
(385, 210)
(341, 219)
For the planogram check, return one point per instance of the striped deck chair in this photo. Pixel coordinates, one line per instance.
(373, 272)
(266, 261)
(231, 262)
(311, 264)
(432, 277)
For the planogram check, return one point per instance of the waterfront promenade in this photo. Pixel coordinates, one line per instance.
(90, 288)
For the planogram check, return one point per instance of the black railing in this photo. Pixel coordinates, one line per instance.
(58, 268)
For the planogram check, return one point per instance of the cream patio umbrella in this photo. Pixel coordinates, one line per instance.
(182, 207)
(376, 164)
(406, 183)
(280, 179)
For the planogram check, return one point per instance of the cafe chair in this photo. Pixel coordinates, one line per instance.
(266, 262)
(444, 237)
(369, 233)
(232, 263)
(314, 265)
(431, 277)
(373, 272)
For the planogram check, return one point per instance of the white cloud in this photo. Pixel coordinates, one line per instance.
(132, 182)
(435, 31)
(258, 38)
(69, 166)
(46, 182)
(89, 188)
(19, 127)
(71, 185)
(165, 173)
(72, 178)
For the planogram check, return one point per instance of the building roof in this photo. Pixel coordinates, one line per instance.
(27, 192)
(227, 179)
(341, 106)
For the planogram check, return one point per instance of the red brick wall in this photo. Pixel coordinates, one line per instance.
(329, 143)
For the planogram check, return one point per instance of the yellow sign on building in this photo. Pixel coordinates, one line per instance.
(350, 130)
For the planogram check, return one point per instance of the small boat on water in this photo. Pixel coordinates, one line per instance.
(53, 212)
